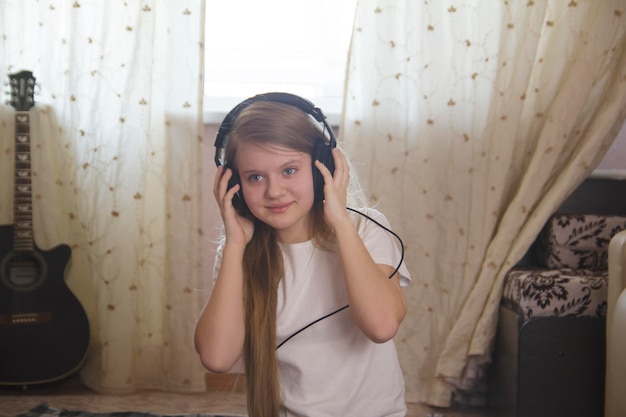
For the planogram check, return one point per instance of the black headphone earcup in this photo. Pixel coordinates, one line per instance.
(238, 201)
(321, 152)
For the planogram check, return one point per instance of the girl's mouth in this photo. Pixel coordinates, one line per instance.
(281, 208)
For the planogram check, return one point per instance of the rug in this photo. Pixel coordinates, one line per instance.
(43, 410)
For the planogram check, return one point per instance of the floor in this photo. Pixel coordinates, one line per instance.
(73, 396)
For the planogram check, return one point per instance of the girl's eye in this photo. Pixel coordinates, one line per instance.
(254, 178)
(289, 171)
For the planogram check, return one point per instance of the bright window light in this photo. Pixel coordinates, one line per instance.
(295, 46)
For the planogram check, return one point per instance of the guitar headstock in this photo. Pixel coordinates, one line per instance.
(22, 90)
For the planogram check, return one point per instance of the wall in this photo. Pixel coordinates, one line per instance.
(615, 159)
(604, 192)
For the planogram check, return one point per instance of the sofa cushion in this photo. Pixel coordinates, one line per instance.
(556, 292)
(577, 241)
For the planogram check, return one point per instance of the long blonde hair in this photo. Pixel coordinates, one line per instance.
(276, 124)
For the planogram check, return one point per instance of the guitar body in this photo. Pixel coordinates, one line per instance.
(44, 331)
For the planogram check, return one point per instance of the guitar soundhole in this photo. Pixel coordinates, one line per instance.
(22, 271)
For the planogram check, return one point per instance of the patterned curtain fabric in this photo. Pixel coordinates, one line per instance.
(116, 148)
(469, 123)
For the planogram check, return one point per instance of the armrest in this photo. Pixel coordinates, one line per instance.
(617, 273)
(615, 401)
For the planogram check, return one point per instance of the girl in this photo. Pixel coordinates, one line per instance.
(291, 260)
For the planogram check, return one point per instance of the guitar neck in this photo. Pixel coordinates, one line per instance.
(23, 201)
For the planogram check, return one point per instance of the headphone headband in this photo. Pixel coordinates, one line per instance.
(285, 98)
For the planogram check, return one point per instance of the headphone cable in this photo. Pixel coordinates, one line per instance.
(347, 305)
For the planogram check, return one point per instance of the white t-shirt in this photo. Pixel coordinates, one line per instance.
(332, 368)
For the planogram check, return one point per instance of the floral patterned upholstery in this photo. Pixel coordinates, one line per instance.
(571, 276)
(556, 292)
(577, 241)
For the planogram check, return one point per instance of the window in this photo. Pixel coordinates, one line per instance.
(296, 46)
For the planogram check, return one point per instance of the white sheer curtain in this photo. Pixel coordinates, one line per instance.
(470, 122)
(117, 138)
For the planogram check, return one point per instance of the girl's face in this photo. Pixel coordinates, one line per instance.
(277, 184)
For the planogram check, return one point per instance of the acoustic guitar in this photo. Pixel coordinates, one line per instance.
(44, 331)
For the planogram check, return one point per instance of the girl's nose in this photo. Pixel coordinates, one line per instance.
(274, 188)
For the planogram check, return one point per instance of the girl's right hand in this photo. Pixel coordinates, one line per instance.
(239, 229)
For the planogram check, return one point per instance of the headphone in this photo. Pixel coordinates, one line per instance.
(322, 151)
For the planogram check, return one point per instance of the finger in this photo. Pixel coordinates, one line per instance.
(323, 169)
(342, 170)
(221, 191)
(230, 194)
(338, 156)
(217, 179)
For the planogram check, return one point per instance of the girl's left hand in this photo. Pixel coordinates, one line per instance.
(335, 189)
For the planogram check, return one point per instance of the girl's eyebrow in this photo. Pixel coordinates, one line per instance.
(281, 167)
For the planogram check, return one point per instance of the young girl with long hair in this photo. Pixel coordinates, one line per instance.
(307, 292)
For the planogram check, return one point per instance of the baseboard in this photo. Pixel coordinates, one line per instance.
(225, 382)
